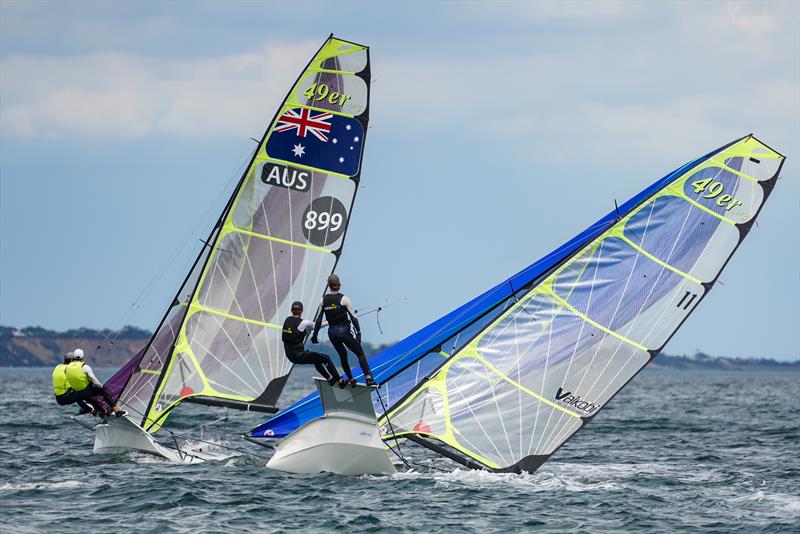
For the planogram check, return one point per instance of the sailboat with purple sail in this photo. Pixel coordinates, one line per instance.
(279, 236)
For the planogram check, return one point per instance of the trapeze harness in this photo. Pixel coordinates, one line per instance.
(338, 317)
(293, 343)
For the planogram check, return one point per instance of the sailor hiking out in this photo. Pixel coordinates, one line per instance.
(338, 310)
(65, 395)
(295, 330)
(86, 386)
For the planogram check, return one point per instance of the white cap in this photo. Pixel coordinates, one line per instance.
(77, 354)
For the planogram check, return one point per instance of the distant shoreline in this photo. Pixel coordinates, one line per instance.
(792, 367)
(35, 346)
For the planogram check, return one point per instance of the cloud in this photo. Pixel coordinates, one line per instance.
(687, 73)
(548, 10)
(706, 75)
(128, 96)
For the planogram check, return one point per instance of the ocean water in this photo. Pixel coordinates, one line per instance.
(675, 451)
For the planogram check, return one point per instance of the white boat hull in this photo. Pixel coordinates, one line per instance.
(345, 441)
(121, 434)
(333, 444)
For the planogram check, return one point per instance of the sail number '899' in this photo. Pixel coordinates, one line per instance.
(324, 221)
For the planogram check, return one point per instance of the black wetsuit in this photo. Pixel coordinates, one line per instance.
(339, 333)
(90, 394)
(70, 397)
(293, 344)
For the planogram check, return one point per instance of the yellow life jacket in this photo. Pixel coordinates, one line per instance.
(60, 384)
(77, 379)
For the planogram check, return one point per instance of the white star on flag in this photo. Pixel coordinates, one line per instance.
(299, 150)
(335, 140)
(347, 127)
(355, 139)
(341, 160)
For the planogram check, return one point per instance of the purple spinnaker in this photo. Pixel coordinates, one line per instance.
(116, 383)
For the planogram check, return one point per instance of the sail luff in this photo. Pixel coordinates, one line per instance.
(209, 243)
(127, 404)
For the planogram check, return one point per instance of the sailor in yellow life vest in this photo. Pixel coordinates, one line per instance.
(86, 386)
(64, 394)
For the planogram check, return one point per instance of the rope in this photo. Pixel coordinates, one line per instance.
(378, 319)
(398, 452)
(228, 447)
(201, 221)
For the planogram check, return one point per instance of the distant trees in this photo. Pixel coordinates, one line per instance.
(127, 332)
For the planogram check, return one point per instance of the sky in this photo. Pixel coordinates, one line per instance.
(497, 132)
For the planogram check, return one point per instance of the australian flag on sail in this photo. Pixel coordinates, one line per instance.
(317, 139)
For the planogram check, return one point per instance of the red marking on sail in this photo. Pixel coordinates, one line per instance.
(422, 427)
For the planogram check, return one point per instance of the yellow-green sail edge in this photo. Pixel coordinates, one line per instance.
(182, 356)
(513, 394)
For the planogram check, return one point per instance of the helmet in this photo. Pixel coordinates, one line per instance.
(77, 354)
(68, 357)
(334, 282)
(297, 306)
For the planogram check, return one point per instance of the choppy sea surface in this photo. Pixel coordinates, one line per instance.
(675, 451)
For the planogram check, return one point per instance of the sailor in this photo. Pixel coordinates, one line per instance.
(86, 386)
(64, 394)
(295, 330)
(338, 310)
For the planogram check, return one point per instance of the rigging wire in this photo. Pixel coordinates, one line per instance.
(201, 221)
(398, 452)
(378, 308)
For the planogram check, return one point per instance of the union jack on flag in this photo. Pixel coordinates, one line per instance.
(334, 145)
(305, 121)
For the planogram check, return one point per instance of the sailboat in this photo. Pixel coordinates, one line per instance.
(502, 382)
(279, 236)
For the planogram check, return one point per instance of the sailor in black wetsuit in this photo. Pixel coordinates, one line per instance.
(295, 329)
(339, 312)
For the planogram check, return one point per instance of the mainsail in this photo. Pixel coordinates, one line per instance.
(278, 238)
(503, 381)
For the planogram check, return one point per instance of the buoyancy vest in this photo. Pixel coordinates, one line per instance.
(77, 379)
(293, 339)
(335, 313)
(60, 384)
